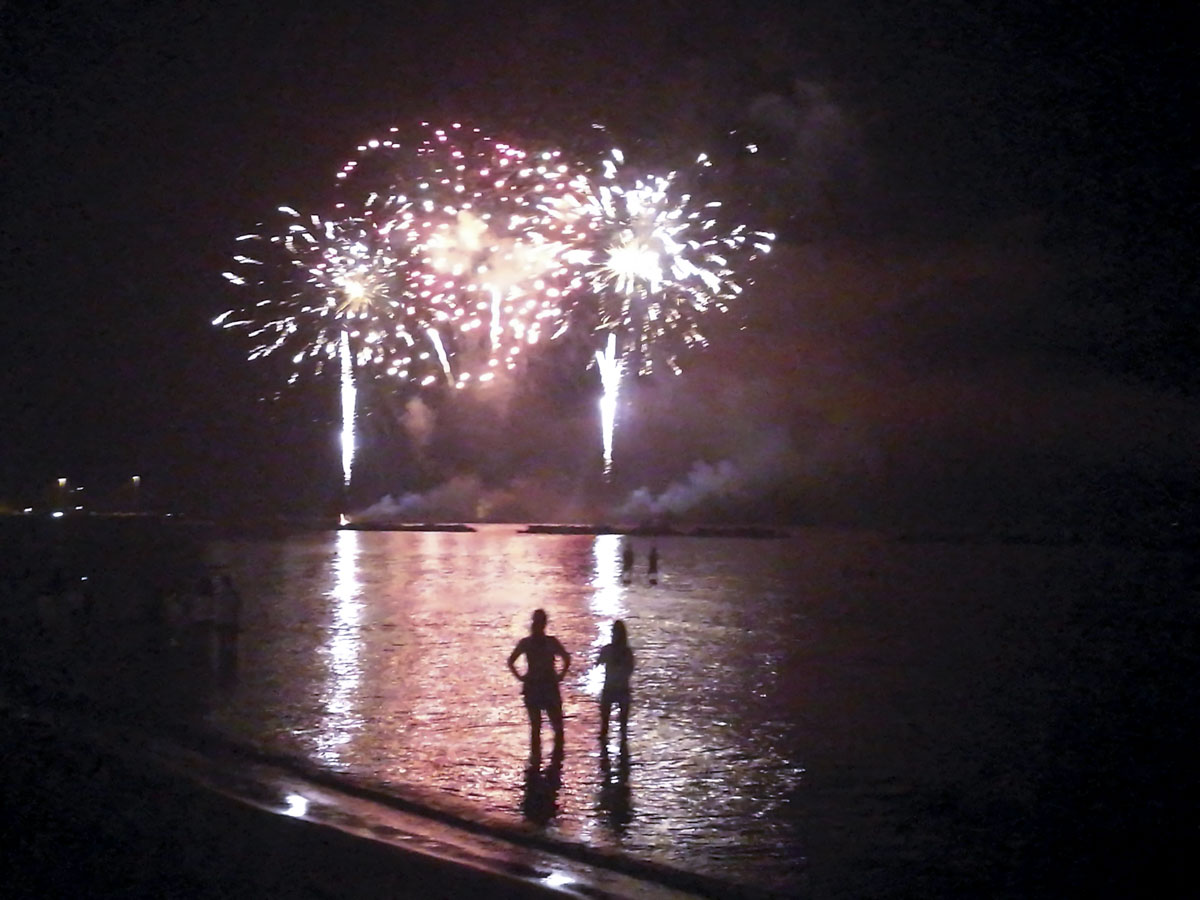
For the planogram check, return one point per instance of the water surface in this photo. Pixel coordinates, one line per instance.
(831, 714)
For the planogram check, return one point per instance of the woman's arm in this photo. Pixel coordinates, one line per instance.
(513, 657)
(560, 650)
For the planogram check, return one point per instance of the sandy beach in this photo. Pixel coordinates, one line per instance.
(80, 821)
(105, 810)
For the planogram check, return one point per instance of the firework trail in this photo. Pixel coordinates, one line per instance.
(610, 378)
(349, 408)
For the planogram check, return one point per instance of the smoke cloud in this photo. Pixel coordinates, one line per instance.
(714, 490)
(466, 498)
(419, 422)
(456, 500)
(703, 483)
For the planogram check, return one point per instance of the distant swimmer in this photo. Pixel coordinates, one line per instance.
(627, 561)
(654, 565)
(617, 659)
(540, 685)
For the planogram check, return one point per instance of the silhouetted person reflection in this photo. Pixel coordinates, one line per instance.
(617, 659)
(615, 796)
(540, 800)
(540, 685)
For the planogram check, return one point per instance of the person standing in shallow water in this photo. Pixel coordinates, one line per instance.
(617, 659)
(540, 684)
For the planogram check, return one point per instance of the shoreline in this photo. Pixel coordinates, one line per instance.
(42, 530)
(81, 782)
(84, 819)
(121, 708)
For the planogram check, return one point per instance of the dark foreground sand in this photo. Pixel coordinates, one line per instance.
(89, 817)
(107, 792)
(81, 822)
(102, 799)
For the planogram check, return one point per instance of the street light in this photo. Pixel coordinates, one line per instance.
(137, 483)
(62, 489)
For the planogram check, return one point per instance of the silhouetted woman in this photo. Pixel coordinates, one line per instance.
(617, 660)
(540, 684)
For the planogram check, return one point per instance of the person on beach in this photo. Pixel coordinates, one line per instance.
(653, 569)
(540, 684)
(200, 635)
(617, 659)
(627, 561)
(227, 615)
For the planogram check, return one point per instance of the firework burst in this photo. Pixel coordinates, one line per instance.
(443, 261)
(317, 282)
(325, 297)
(662, 262)
(659, 263)
(487, 262)
(452, 253)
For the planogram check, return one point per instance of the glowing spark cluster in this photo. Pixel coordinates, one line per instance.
(486, 262)
(664, 262)
(441, 274)
(451, 253)
(317, 281)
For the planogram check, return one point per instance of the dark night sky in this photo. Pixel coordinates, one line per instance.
(981, 309)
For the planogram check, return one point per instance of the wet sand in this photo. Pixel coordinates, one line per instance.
(97, 806)
(80, 821)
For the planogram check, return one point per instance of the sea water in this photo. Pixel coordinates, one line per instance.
(834, 713)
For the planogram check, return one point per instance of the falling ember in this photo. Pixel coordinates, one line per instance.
(349, 395)
(610, 378)
(436, 340)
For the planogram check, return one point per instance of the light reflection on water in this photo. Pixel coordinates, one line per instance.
(833, 697)
(343, 651)
(606, 602)
(382, 655)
